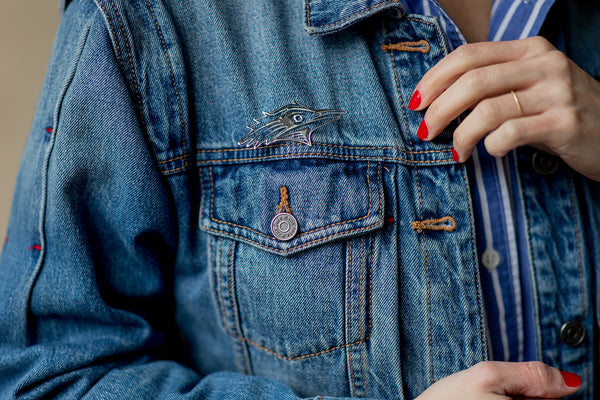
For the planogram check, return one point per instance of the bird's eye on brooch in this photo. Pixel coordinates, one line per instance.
(297, 118)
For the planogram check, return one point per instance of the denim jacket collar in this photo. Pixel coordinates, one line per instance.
(328, 16)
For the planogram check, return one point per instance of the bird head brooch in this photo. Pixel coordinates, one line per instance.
(293, 122)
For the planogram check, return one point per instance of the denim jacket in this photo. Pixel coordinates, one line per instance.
(168, 240)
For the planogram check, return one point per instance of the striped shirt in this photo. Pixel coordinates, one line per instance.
(501, 242)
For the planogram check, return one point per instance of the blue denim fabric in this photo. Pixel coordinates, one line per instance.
(140, 261)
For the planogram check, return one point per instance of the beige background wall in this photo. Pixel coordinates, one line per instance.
(27, 29)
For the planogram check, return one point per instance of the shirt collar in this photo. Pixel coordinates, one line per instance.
(327, 16)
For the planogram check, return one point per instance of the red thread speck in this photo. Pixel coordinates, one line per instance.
(390, 220)
(36, 247)
(49, 130)
(6, 240)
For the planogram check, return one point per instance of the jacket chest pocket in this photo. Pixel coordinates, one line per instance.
(304, 292)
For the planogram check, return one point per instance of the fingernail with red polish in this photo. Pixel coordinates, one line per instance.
(423, 132)
(571, 380)
(415, 101)
(455, 156)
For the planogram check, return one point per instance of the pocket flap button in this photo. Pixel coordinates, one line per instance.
(284, 226)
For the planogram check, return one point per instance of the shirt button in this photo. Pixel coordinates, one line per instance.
(544, 164)
(490, 258)
(572, 333)
(284, 226)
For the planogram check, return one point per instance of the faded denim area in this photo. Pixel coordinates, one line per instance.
(141, 262)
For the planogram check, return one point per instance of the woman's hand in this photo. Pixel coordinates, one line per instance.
(556, 108)
(504, 380)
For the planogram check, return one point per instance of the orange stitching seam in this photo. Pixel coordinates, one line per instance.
(429, 23)
(236, 312)
(292, 248)
(220, 160)
(349, 315)
(227, 150)
(437, 224)
(399, 92)
(221, 300)
(362, 264)
(214, 276)
(299, 357)
(308, 12)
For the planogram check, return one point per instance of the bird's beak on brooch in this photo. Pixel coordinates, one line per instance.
(330, 115)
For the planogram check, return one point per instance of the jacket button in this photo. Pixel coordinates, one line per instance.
(544, 163)
(572, 333)
(490, 259)
(284, 226)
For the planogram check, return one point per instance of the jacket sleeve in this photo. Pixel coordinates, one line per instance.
(86, 304)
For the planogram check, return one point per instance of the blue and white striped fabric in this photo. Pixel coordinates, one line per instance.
(499, 221)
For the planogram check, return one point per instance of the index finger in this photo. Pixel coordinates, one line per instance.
(469, 57)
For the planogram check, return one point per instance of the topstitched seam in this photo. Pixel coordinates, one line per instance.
(413, 162)
(476, 269)
(227, 150)
(580, 261)
(579, 257)
(399, 91)
(429, 23)
(349, 316)
(234, 309)
(416, 171)
(130, 56)
(314, 144)
(198, 163)
(292, 248)
(360, 285)
(112, 28)
(221, 300)
(164, 46)
(356, 13)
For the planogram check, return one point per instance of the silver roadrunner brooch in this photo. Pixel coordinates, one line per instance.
(293, 122)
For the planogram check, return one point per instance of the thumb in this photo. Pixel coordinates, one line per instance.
(536, 379)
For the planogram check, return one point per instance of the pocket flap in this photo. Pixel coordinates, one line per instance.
(329, 200)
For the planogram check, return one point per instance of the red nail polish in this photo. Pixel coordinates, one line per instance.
(455, 156)
(415, 101)
(571, 380)
(423, 132)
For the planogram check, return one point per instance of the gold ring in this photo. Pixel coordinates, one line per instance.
(518, 102)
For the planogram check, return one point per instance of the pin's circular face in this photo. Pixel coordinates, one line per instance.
(284, 226)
